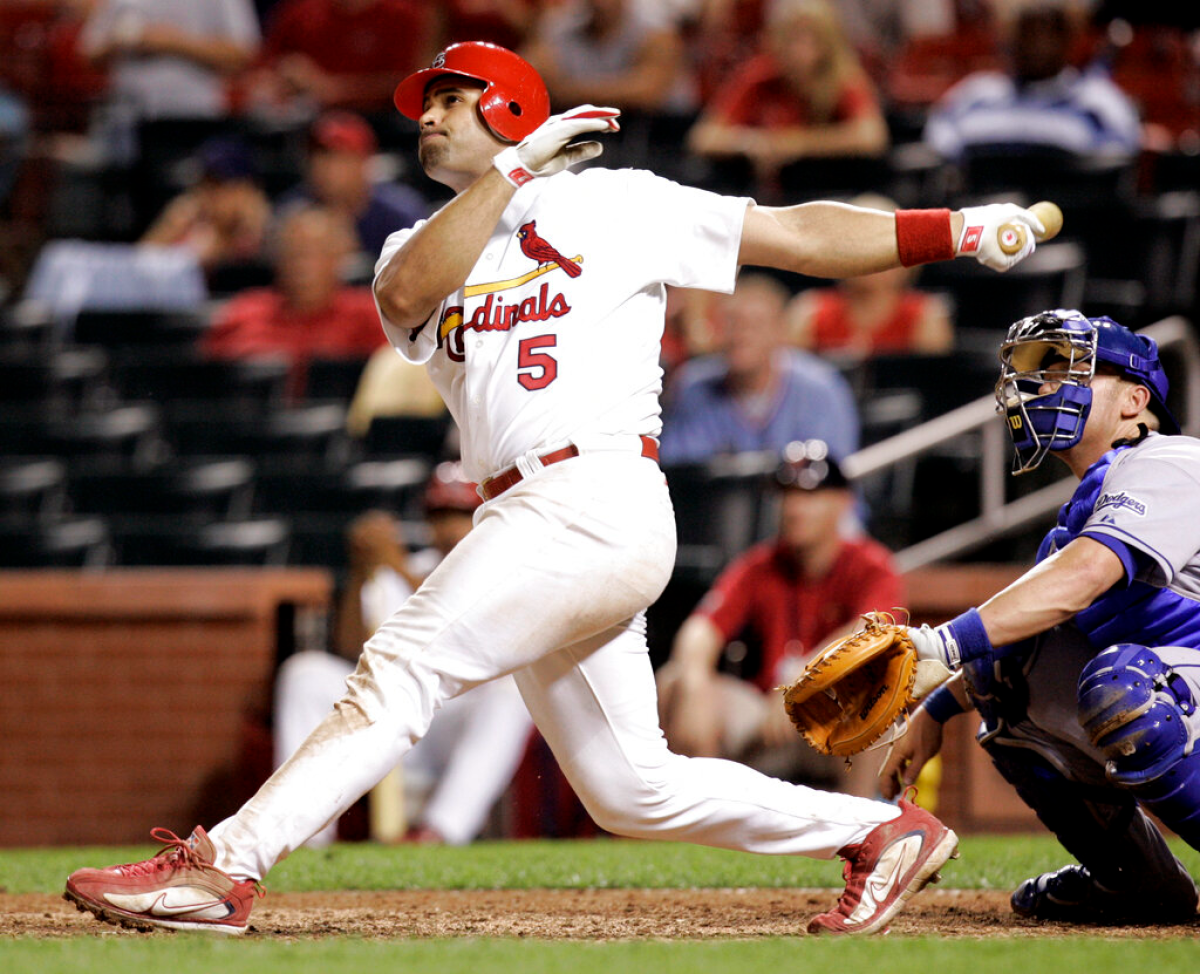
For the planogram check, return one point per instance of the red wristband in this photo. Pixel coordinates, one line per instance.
(923, 236)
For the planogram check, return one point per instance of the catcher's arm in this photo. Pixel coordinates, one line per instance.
(921, 742)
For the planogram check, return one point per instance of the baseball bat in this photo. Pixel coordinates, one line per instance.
(1011, 236)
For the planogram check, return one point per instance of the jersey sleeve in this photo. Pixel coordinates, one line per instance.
(1143, 507)
(680, 235)
(415, 344)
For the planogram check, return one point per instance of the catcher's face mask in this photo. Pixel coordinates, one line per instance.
(1047, 364)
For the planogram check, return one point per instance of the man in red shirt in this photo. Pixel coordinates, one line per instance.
(797, 592)
(343, 53)
(309, 313)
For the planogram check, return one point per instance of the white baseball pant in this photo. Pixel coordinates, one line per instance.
(460, 767)
(551, 585)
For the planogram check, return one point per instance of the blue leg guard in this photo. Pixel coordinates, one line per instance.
(1101, 827)
(1135, 709)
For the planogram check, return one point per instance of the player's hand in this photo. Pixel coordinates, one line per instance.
(372, 542)
(910, 753)
(694, 725)
(980, 236)
(777, 729)
(546, 150)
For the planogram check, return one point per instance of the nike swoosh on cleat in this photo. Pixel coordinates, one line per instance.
(893, 864)
(167, 904)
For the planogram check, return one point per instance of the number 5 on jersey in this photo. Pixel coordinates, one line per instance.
(536, 369)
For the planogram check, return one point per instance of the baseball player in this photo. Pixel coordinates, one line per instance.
(553, 379)
(1085, 670)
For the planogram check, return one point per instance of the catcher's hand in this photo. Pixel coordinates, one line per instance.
(545, 151)
(853, 690)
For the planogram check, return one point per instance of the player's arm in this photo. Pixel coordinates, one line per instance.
(1049, 594)
(828, 239)
(436, 260)
(824, 239)
(1052, 592)
(920, 743)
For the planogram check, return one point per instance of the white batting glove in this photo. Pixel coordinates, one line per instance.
(980, 237)
(545, 151)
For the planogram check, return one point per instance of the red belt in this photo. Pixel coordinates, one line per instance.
(497, 485)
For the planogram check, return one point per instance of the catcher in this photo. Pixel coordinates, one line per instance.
(1085, 671)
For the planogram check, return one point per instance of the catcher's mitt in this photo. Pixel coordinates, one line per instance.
(854, 689)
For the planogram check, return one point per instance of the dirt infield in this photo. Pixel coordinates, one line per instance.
(571, 915)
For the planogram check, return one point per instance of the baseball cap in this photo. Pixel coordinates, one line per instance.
(808, 465)
(342, 131)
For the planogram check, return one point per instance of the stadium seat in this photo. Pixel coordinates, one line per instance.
(141, 330)
(171, 541)
(73, 543)
(163, 375)
(402, 436)
(315, 431)
(32, 488)
(219, 487)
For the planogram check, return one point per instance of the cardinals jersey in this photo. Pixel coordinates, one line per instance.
(554, 338)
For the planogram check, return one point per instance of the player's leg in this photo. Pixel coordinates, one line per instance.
(595, 703)
(1139, 705)
(1126, 870)
(1033, 735)
(491, 735)
(306, 687)
(564, 554)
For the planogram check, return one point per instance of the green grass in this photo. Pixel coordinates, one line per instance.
(911, 955)
(988, 862)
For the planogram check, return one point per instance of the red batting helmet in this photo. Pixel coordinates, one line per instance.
(449, 490)
(514, 100)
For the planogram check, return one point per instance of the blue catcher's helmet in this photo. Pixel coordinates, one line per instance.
(1074, 345)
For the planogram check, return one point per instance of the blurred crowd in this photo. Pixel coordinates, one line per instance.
(224, 173)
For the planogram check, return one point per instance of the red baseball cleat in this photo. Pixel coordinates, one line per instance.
(179, 888)
(892, 864)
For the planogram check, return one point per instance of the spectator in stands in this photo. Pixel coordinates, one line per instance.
(223, 218)
(1042, 101)
(321, 54)
(503, 22)
(391, 385)
(166, 59)
(454, 775)
(755, 394)
(309, 312)
(341, 146)
(612, 52)
(794, 593)
(860, 316)
(805, 95)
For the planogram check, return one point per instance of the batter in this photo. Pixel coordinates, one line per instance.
(536, 299)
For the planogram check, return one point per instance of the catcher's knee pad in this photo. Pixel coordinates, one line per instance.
(1135, 709)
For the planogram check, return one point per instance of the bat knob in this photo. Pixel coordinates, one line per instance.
(1011, 236)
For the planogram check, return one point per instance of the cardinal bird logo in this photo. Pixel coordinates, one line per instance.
(537, 248)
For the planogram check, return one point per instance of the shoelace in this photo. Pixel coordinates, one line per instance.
(175, 852)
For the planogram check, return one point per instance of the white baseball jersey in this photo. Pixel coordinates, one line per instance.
(554, 338)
